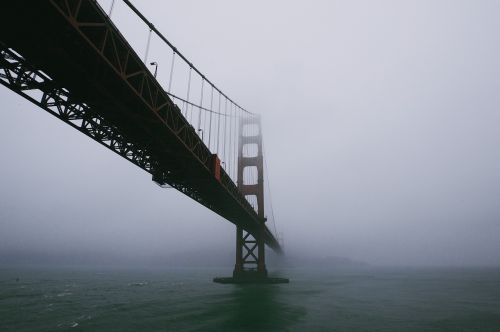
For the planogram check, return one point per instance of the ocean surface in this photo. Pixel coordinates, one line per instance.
(362, 299)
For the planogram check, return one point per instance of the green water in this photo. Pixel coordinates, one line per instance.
(370, 299)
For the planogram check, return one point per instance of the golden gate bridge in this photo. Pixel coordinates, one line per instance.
(69, 58)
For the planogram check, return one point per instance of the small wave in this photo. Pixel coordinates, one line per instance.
(66, 325)
(145, 283)
(64, 294)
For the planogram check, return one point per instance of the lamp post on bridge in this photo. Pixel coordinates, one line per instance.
(154, 63)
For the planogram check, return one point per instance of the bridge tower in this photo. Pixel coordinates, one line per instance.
(250, 249)
(250, 264)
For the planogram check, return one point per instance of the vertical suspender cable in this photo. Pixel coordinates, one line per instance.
(204, 123)
(237, 141)
(225, 134)
(188, 89)
(201, 104)
(230, 159)
(171, 72)
(235, 144)
(251, 132)
(245, 132)
(218, 128)
(147, 47)
(233, 167)
(210, 121)
(256, 175)
(111, 8)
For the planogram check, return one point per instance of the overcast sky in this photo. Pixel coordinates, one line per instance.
(381, 126)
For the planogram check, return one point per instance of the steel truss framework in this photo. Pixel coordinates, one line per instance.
(40, 89)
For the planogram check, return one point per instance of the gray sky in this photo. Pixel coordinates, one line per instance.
(380, 124)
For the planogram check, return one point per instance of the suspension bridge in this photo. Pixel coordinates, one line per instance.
(70, 58)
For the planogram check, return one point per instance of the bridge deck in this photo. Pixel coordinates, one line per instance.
(93, 72)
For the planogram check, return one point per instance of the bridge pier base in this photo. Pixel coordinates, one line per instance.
(251, 279)
(250, 264)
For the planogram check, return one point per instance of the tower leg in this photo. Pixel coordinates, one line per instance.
(238, 267)
(261, 259)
